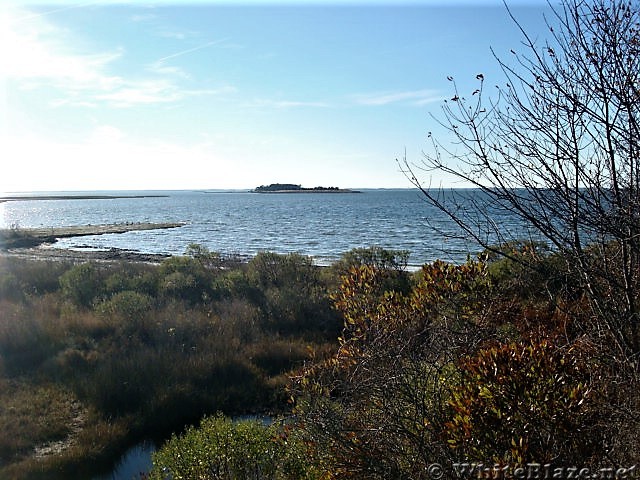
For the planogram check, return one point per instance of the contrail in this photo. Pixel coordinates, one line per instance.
(184, 52)
(49, 12)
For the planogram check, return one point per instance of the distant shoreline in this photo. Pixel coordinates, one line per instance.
(18, 198)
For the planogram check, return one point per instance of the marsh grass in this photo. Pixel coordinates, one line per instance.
(32, 414)
(141, 351)
(91, 450)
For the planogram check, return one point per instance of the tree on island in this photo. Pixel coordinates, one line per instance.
(289, 187)
(274, 187)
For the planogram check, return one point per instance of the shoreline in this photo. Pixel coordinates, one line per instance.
(16, 238)
(20, 198)
(51, 253)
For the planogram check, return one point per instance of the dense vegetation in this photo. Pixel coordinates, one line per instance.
(289, 187)
(96, 356)
(386, 371)
(488, 362)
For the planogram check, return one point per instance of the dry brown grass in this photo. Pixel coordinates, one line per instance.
(96, 357)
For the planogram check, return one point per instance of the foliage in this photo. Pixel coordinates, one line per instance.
(392, 262)
(81, 284)
(147, 358)
(374, 409)
(381, 258)
(482, 359)
(225, 449)
(292, 295)
(523, 402)
(127, 304)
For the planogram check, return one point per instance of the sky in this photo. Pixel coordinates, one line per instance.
(162, 95)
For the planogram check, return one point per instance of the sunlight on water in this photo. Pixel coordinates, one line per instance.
(323, 226)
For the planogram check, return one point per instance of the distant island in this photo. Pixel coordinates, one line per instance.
(293, 188)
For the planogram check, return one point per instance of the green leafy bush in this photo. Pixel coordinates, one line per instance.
(126, 305)
(82, 284)
(226, 450)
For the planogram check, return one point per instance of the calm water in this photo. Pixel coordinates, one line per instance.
(319, 225)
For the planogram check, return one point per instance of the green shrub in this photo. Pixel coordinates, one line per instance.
(131, 278)
(82, 284)
(293, 297)
(235, 284)
(530, 270)
(126, 305)
(382, 258)
(223, 449)
(35, 278)
(392, 262)
(185, 278)
(268, 269)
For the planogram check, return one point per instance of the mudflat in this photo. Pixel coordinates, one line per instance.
(32, 237)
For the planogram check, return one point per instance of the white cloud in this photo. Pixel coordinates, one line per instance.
(153, 92)
(412, 97)
(141, 92)
(33, 50)
(39, 55)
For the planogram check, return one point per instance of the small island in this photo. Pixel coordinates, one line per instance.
(293, 188)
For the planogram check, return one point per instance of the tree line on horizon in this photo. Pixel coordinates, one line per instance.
(275, 187)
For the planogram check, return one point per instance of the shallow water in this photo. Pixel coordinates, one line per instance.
(319, 225)
(133, 463)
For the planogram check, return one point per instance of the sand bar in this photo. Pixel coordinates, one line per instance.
(31, 237)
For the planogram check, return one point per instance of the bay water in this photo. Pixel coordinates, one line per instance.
(320, 225)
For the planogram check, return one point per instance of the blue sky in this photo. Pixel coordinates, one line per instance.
(132, 95)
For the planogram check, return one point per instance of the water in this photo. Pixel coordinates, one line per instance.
(322, 226)
(138, 459)
(135, 461)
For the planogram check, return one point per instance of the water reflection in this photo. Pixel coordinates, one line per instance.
(134, 462)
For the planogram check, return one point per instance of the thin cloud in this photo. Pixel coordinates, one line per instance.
(143, 17)
(265, 103)
(31, 15)
(41, 57)
(412, 97)
(189, 50)
(154, 92)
